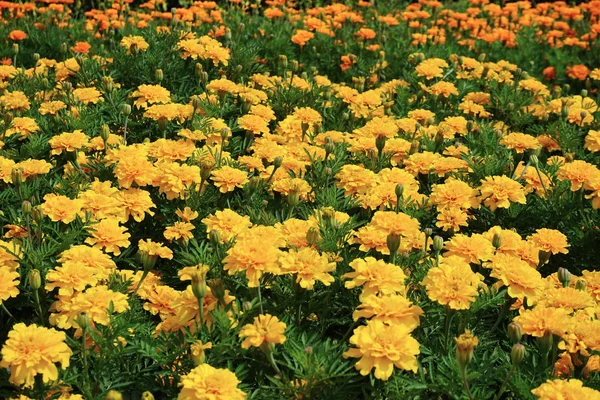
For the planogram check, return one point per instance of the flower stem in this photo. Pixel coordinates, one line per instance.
(466, 382)
(260, 299)
(36, 295)
(6, 310)
(503, 386)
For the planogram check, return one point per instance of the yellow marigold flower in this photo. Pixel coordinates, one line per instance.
(520, 142)
(146, 95)
(391, 310)
(442, 88)
(15, 101)
(136, 203)
(454, 193)
(10, 253)
(453, 283)
(253, 257)
(179, 231)
(132, 41)
(70, 277)
(175, 179)
(204, 382)
(473, 249)
(521, 280)
(568, 298)
(94, 301)
(293, 185)
(582, 336)
(9, 280)
(187, 214)
(227, 178)
(565, 389)
(431, 68)
(227, 223)
(138, 170)
(222, 86)
(452, 219)
(421, 163)
(32, 350)
(69, 142)
(254, 123)
(171, 150)
(532, 179)
(108, 235)
(155, 249)
(102, 263)
(52, 107)
(169, 112)
(592, 280)
(266, 331)
(61, 208)
(377, 276)
(550, 241)
(382, 347)
(578, 173)
(197, 351)
(540, 319)
(24, 126)
(500, 191)
(309, 267)
(592, 141)
(87, 95)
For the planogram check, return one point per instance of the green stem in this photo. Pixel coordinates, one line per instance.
(503, 386)
(140, 282)
(201, 311)
(260, 299)
(273, 363)
(6, 310)
(503, 312)
(36, 295)
(466, 382)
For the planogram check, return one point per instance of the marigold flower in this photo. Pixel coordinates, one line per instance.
(540, 319)
(81, 47)
(453, 283)
(146, 95)
(227, 223)
(179, 231)
(132, 41)
(205, 382)
(108, 235)
(266, 330)
(227, 178)
(31, 350)
(550, 241)
(391, 310)
(155, 249)
(382, 347)
(465, 344)
(521, 280)
(377, 276)
(473, 249)
(500, 191)
(69, 142)
(9, 280)
(578, 173)
(564, 389)
(578, 71)
(17, 35)
(70, 277)
(301, 37)
(87, 95)
(61, 208)
(519, 142)
(253, 257)
(309, 267)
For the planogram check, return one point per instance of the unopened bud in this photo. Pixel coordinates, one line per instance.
(63, 48)
(35, 279)
(159, 75)
(428, 232)
(312, 236)
(533, 159)
(37, 215)
(277, 162)
(26, 207)
(163, 123)
(36, 57)
(126, 110)
(67, 86)
(545, 342)
(15, 48)
(217, 289)
(380, 143)
(515, 332)
(393, 243)
(329, 148)
(294, 65)
(581, 285)
(247, 306)
(16, 176)
(517, 354)
(205, 169)
(198, 284)
(215, 237)
(497, 241)
(564, 276)
(105, 132)
(83, 320)
(438, 243)
(544, 256)
(399, 190)
(584, 92)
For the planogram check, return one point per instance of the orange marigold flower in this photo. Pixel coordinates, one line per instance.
(205, 382)
(155, 249)
(565, 389)
(540, 319)
(519, 142)
(146, 95)
(81, 47)
(69, 142)
(309, 267)
(578, 173)
(9, 280)
(301, 37)
(253, 257)
(473, 249)
(61, 208)
(578, 71)
(179, 231)
(550, 240)
(17, 35)
(227, 223)
(130, 42)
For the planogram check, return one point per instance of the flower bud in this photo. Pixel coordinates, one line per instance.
(35, 279)
(217, 289)
(414, 147)
(159, 75)
(514, 332)
(126, 110)
(16, 176)
(533, 160)
(26, 207)
(83, 320)
(277, 162)
(312, 236)
(36, 57)
(584, 92)
(294, 65)
(545, 342)
(254, 183)
(8, 119)
(204, 77)
(205, 169)
(148, 261)
(399, 190)
(36, 214)
(428, 232)
(199, 284)
(67, 86)
(581, 285)
(372, 154)
(438, 243)
(380, 143)
(15, 48)
(517, 354)
(328, 214)
(162, 123)
(147, 396)
(329, 148)
(328, 171)
(497, 241)
(544, 256)
(214, 237)
(481, 57)
(393, 243)
(63, 48)
(564, 276)
(113, 395)
(465, 344)
(247, 306)
(105, 132)
(293, 198)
